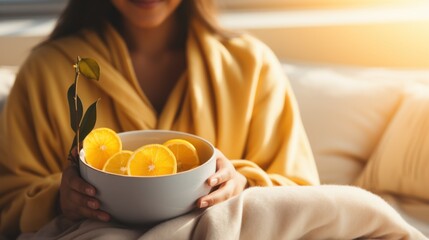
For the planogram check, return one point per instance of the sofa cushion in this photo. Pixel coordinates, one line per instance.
(400, 163)
(344, 112)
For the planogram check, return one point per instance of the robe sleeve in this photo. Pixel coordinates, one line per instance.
(31, 147)
(278, 150)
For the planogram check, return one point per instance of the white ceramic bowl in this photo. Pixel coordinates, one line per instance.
(147, 200)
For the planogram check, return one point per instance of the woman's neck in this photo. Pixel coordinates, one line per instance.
(158, 57)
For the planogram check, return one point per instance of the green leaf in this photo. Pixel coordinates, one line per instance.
(88, 121)
(89, 68)
(75, 112)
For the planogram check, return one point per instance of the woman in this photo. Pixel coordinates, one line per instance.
(166, 64)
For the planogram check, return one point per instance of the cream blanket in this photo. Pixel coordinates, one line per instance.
(313, 212)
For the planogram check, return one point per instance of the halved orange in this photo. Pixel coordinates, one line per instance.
(100, 145)
(185, 153)
(152, 160)
(118, 163)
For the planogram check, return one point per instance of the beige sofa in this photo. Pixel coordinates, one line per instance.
(369, 127)
(349, 113)
(361, 77)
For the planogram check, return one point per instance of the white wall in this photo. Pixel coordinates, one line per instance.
(380, 36)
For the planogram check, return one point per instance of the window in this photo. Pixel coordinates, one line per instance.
(13, 8)
(305, 4)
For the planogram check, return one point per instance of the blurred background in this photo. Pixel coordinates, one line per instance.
(374, 33)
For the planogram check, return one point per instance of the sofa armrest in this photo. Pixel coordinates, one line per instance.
(7, 77)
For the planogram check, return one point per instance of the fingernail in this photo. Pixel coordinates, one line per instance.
(203, 204)
(92, 204)
(213, 182)
(103, 217)
(90, 191)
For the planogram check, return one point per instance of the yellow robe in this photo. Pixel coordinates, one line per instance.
(234, 94)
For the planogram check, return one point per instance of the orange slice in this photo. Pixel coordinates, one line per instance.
(118, 163)
(100, 145)
(185, 153)
(152, 160)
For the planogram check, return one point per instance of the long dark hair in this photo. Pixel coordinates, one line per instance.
(92, 14)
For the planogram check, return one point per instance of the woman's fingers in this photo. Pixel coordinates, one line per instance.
(224, 171)
(85, 212)
(83, 200)
(226, 182)
(78, 184)
(94, 214)
(76, 198)
(223, 193)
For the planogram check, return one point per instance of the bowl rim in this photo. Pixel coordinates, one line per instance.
(82, 154)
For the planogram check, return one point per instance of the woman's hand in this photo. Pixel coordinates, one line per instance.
(228, 181)
(77, 197)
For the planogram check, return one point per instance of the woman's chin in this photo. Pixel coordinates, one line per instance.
(147, 4)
